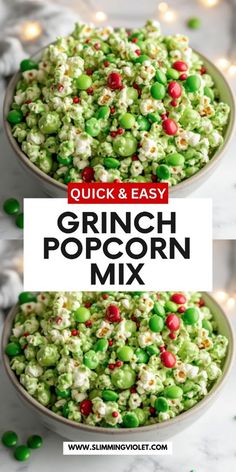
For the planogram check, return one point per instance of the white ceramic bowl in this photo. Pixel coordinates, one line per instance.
(79, 432)
(183, 189)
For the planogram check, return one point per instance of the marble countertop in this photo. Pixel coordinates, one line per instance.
(222, 185)
(208, 446)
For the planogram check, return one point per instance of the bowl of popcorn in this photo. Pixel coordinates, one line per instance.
(117, 365)
(105, 105)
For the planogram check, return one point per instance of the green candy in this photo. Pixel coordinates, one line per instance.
(35, 441)
(154, 117)
(209, 93)
(103, 113)
(91, 360)
(163, 172)
(207, 325)
(11, 206)
(26, 297)
(194, 23)
(125, 353)
(63, 393)
(13, 349)
(111, 163)
(82, 314)
(123, 377)
(127, 120)
(171, 307)
(161, 405)
(158, 91)
(22, 453)
(28, 64)
(175, 159)
(173, 392)
(158, 309)
(142, 356)
(130, 420)
(143, 123)
(83, 82)
(65, 410)
(190, 316)
(193, 83)
(9, 438)
(172, 74)
(125, 146)
(109, 396)
(101, 345)
(141, 59)
(152, 350)
(92, 127)
(141, 415)
(14, 117)
(20, 220)
(156, 324)
(65, 161)
(161, 77)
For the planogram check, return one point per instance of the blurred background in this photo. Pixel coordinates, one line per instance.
(209, 446)
(27, 25)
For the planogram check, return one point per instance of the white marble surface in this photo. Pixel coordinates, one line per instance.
(221, 186)
(208, 446)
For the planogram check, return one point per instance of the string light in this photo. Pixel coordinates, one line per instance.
(100, 16)
(169, 15)
(232, 70)
(223, 63)
(163, 6)
(221, 296)
(30, 30)
(209, 3)
(230, 303)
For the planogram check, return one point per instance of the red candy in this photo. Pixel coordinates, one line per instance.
(174, 103)
(180, 66)
(119, 363)
(110, 342)
(170, 127)
(74, 332)
(111, 366)
(172, 335)
(183, 77)
(174, 89)
(88, 174)
(181, 309)
(115, 414)
(162, 348)
(76, 100)
(113, 134)
(88, 323)
(114, 80)
(86, 407)
(178, 298)
(168, 359)
(120, 131)
(173, 322)
(152, 410)
(113, 314)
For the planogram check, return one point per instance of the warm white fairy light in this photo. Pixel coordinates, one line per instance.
(163, 6)
(169, 15)
(30, 30)
(223, 63)
(230, 303)
(100, 16)
(232, 70)
(209, 3)
(221, 296)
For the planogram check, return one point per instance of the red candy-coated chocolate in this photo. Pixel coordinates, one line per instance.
(180, 66)
(170, 127)
(86, 407)
(88, 174)
(114, 80)
(178, 298)
(181, 309)
(115, 414)
(74, 332)
(76, 100)
(172, 335)
(168, 359)
(173, 322)
(113, 314)
(183, 76)
(174, 89)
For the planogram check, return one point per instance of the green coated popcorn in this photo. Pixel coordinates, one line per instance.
(116, 359)
(107, 105)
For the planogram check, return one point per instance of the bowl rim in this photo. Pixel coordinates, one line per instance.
(229, 131)
(201, 405)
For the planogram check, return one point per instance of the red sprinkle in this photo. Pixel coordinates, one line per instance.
(163, 116)
(135, 157)
(88, 323)
(138, 52)
(203, 70)
(168, 359)
(201, 302)
(110, 342)
(86, 407)
(162, 348)
(88, 174)
(183, 76)
(111, 366)
(174, 89)
(170, 127)
(181, 309)
(87, 40)
(119, 363)
(112, 110)
(89, 71)
(115, 414)
(178, 298)
(134, 40)
(97, 46)
(113, 134)
(180, 66)
(74, 332)
(174, 103)
(87, 305)
(120, 131)
(133, 389)
(26, 334)
(58, 320)
(114, 80)
(90, 91)
(60, 87)
(172, 336)
(27, 102)
(154, 178)
(105, 296)
(113, 314)
(173, 322)
(76, 100)
(106, 63)
(152, 410)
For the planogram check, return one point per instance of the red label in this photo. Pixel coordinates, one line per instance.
(140, 192)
